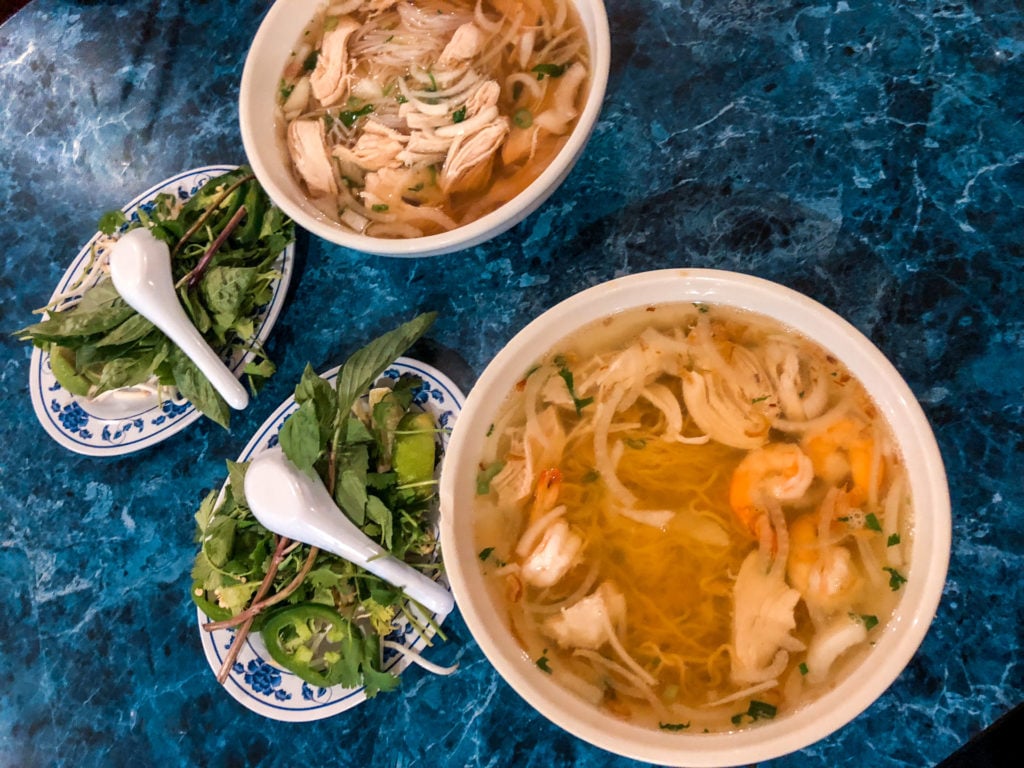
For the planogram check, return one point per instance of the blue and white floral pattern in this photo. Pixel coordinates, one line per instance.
(75, 422)
(255, 680)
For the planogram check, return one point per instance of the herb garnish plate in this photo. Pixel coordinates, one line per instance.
(255, 680)
(88, 427)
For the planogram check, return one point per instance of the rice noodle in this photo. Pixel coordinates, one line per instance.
(753, 690)
(625, 672)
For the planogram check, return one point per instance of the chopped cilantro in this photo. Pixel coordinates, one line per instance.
(871, 522)
(894, 540)
(566, 374)
(459, 114)
(485, 553)
(758, 710)
(896, 579)
(349, 116)
(543, 663)
(803, 668)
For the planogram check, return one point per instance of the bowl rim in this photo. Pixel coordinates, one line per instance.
(265, 61)
(928, 562)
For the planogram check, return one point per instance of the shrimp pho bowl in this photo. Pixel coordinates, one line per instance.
(420, 127)
(695, 518)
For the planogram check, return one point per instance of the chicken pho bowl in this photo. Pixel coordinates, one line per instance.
(695, 518)
(418, 127)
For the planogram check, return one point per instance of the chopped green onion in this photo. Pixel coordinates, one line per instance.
(523, 118)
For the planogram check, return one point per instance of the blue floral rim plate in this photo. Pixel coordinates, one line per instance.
(255, 680)
(84, 427)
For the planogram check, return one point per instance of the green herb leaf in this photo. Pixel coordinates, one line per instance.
(896, 579)
(871, 522)
(196, 388)
(348, 117)
(300, 437)
(551, 70)
(758, 710)
(366, 364)
(566, 375)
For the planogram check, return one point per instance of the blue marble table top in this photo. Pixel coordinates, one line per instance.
(869, 154)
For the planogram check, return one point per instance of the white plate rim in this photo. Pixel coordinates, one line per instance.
(336, 699)
(154, 423)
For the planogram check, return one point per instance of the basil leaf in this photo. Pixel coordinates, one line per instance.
(378, 512)
(81, 320)
(197, 388)
(361, 370)
(134, 328)
(236, 476)
(225, 290)
(351, 462)
(300, 437)
(313, 388)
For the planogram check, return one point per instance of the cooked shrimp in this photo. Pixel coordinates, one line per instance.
(823, 571)
(549, 483)
(549, 547)
(777, 472)
(554, 556)
(845, 452)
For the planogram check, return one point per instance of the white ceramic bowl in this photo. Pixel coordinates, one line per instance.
(928, 560)
(261, 78)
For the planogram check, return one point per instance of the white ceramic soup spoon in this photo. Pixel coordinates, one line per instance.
(291, 503)
(140, 266)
